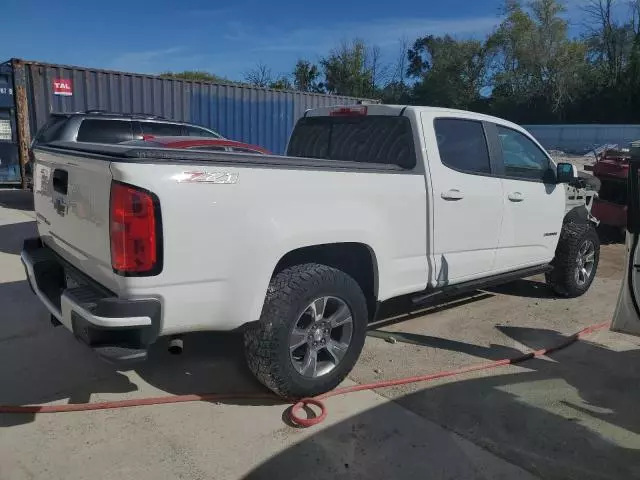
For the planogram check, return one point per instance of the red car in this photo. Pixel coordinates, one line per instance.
(198, 143)
(612, 169)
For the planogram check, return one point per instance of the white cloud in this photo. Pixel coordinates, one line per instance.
(383, 33)
(145, 61)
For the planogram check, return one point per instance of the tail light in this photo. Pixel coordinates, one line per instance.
(348, 111)
(134, 231)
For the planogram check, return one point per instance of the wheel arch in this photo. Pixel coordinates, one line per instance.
(354, 258)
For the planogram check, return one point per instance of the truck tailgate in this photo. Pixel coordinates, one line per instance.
(71, 198)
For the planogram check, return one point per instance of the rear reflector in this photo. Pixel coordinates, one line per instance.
(348, 111)
(133, 230)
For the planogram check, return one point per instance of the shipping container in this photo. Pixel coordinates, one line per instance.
(259, 116)
(9, 163)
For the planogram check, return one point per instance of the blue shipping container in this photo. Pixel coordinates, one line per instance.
(9, 163)
(255, 115)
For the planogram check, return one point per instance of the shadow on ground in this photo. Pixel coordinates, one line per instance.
(574, 417)
(12, 236)
(16, 199)
(40, 363)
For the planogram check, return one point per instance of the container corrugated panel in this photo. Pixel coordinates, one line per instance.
(260, 116)
(583, 138)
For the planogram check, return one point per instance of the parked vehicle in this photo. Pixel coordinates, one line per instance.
(371, 203)
(249, 114)
(96, 126)
(612, 169)
(626, 318)
(198, 143)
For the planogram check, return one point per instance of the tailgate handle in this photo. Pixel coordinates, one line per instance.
(60, 181)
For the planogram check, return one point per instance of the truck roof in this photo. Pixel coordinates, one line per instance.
(377, 109)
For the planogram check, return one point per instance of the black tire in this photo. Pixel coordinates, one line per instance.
(563, 279)
(267, 341)
(577, 215)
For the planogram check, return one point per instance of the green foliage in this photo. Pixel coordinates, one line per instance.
(529, 69)
(196, 76)
(350, 70)
(282, 83)
(448, 73)
(306, 77)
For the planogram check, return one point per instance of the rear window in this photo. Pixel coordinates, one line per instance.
(49, 131)
(161, 129)
(366, 139)
(105, 131)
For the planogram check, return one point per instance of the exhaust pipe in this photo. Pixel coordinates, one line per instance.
(175, 346)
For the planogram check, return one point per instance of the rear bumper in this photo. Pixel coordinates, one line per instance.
(119, 330)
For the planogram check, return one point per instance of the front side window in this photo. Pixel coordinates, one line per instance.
(463, 145)
(522, 158)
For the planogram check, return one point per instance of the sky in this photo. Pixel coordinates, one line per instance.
(227, 39)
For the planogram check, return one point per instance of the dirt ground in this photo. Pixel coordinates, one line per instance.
(572, 415)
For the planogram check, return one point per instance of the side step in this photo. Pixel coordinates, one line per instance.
(440, 294)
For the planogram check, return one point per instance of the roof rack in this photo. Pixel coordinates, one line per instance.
(107, 113)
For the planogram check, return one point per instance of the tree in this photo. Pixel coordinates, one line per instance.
(196, 76)
(609, 41)
(306, 77)
(281, 83)
(350, 70)
(260, 76)
(396, 89)
(448, 72)
(538, 71)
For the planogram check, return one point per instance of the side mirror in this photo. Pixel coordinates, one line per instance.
(566, 173)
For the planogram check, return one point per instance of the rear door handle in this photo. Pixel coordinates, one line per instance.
(60, 181)
(516, 197)
(453, 194)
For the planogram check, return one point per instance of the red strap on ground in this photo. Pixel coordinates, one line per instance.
(305, 402)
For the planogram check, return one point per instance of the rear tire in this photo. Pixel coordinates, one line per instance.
(291, 316)
(576, 261)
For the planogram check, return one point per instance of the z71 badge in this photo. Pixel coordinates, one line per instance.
(219, 178)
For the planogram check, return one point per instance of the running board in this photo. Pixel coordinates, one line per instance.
(438, 294)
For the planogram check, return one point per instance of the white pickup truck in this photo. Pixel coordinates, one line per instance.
(371, 202)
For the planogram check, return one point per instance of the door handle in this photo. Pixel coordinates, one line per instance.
(60, 181)
(516, 197)
(453, 194)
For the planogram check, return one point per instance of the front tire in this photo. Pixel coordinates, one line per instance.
(310, 333)
(576, 260)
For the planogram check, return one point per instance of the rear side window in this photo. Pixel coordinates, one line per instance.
(199, 132)
(161, 129)
(105, 131)
(462, 145)
(366, 139)
(49, 132)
